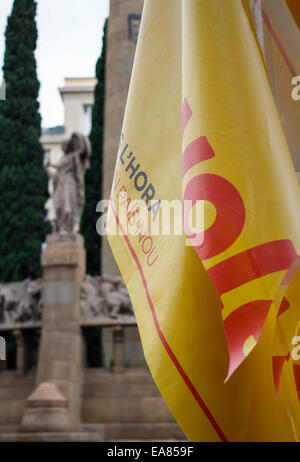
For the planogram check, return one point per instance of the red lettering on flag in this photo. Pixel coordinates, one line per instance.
(196, 152)
(252, 264)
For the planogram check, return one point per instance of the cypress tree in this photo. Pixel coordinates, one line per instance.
(23, 181)
(93, 178)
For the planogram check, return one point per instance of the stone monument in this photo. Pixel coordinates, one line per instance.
(69, 396)
(68, 183)
(54, 405)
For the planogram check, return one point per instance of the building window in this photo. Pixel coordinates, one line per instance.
(87, 119)
(134, 21)
(47, 157)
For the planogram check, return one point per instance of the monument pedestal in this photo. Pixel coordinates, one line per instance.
(54, 406)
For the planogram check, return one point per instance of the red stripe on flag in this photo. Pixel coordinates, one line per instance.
(197, 151)
(163, 339)
(252, 264)
(242, 323)
(285, 304)
(278, 43)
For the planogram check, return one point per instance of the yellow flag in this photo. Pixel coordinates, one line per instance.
(212, 302)
(278, 26)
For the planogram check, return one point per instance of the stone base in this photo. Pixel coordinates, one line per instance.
(46, 410)
(60, 350)
(36, 422)
(48, 437)
(117, 432)
(162, 431)
(65, 237)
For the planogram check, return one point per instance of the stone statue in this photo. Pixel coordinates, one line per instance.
(92, 302)
(105, 296)
(21, 301)
(100, 296)
(68, 183)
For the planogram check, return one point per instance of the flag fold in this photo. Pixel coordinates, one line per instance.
(217, 306)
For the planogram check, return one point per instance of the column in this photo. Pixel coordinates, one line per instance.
(20, 353)
(118, 336)
(55, 403)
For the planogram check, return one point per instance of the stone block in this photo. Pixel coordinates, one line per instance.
(53, 437)
(143, 432)
(60, 293)
(61, 345)
(46, 410)
(59, 370)
(11, 411)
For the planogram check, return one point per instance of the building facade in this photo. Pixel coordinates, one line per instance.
(77, 95)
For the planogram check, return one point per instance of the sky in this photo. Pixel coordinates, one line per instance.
(69, 44)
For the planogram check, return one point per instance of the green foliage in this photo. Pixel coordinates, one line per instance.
(23, 181)
(93, 178)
